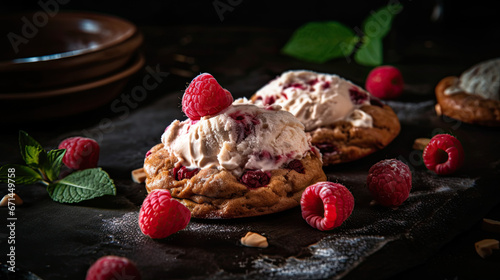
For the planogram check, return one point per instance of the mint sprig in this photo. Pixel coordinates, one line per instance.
(45, 168)
(322, 41)
(82, 185)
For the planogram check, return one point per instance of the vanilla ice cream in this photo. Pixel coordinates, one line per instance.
(243, 136)
(317, 99)
(482, 79)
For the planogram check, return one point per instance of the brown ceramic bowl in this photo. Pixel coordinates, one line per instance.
(68, 48)
(50, 104)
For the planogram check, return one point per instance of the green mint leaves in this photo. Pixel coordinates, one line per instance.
(82, 185)
(322, 41)
(45, 167)
(25, 175)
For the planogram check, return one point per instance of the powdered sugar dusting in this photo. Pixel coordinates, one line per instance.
(123, 230)
(333, 256)
(442, 183)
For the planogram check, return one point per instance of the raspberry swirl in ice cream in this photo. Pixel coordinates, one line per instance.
(241, 137)
(482, 79)
(317, 99)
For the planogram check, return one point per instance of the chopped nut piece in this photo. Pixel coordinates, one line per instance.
(491, 225)
(438, 110)
(13, 198)
(253, 239)
(485, 247)
(421, 143)
(138, 175)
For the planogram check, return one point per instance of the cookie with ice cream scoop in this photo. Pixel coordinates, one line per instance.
(238, 160)
(345, 121)
(474, 96)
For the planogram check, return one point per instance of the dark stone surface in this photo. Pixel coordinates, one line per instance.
(61, 241)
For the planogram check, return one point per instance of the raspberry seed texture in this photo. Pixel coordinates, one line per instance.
(444, 154)
(326, 205)
(81, 153)
(389, 182)
(161, 215)
(204, 97)
(113, 267)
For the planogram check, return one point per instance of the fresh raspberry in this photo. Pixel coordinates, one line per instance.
(204, 97)
(326, 205)
(161, 215)
(255, 178)
(81, 153)
(113, 267)
(444, 154)
(183, 172)
(385, 82)
(389, 182)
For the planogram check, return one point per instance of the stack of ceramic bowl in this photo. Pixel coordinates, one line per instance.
(62, 64)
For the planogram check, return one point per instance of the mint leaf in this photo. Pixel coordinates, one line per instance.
(82, 185)
(34, 155)
(22, 175)
(321, 41)
(52, 164)
(24, 141)
(370, 52)
(378, 24)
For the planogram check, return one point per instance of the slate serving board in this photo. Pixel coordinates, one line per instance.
(59, 241)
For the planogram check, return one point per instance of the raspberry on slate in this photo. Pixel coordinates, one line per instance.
(389, 182)
(326, 205)
(204, 97)
(385, 82)
(81, 153)
(444, 154)
(161, 215)
(113, 267)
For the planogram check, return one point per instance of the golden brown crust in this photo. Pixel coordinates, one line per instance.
(469, 108)
(352, 143)
(214, 194)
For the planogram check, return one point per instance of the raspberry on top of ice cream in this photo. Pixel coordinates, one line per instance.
(317, 99)
(241, 137)
(482, 79)
(236, 137)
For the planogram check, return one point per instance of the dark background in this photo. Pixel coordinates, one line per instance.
(461, 34)
(457, 21)
(457, 34)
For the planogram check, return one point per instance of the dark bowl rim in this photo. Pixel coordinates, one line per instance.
(71, 15)
(132, 67)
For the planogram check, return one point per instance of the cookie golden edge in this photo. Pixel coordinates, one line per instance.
(466, 107)
(217, 194)
(353, 142)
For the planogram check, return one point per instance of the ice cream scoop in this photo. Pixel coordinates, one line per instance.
(243, 136)
(482, 79)
(317, 99)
